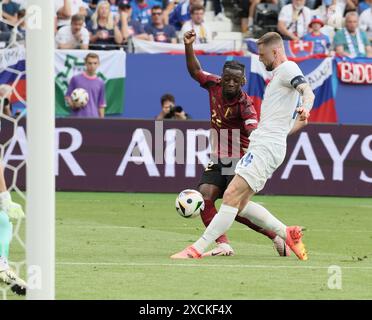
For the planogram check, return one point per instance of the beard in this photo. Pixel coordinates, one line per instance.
(269, 67)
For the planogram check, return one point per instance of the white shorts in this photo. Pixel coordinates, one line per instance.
(259, 163)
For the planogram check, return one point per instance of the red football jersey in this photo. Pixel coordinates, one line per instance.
(232, 121)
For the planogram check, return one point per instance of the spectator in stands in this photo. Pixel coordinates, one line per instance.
(203, 33)
(343, 6)
(114, 8)
(159, 31)
(141, 10)
(104, 31)
(10, 11)
(218, 9)
(364, 5)
(75, 36)
(365, 22)
(294, 19)
(252, 11)
(351, 41)
(321, 41)
(169, 110)
(181, 13)
(66, 9)
(92, 4)
(130, 28)
(95, 87)
(311, 4)
(22, 4)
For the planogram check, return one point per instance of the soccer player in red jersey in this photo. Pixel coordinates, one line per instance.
(233, 118)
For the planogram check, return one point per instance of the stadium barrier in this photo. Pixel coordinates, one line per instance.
(154, 156)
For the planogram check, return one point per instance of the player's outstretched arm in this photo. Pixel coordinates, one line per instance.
(303, 111)
(193, 64)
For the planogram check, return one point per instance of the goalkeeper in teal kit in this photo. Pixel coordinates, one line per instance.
(8, 210)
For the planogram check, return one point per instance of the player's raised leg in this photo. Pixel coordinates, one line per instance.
(236, 194)
(236, 198)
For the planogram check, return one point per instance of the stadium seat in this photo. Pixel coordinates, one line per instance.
(209, 16)
(266, 17)
(236, 36)
(220, 26)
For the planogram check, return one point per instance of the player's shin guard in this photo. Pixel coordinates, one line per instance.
(219, 225)
(207, 215)
(264, 219)
(6, 229)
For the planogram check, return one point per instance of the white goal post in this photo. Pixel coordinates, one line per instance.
(40, 179)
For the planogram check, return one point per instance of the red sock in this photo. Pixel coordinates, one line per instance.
(248, 223)
(207, 216)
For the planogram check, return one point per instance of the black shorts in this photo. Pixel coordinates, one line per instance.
(219, 174)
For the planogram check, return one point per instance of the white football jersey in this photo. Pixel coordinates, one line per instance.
(278, 108)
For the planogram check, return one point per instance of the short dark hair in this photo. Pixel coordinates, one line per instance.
(196, 7)
(270, 38)
(233, 64)
(167, 97)
(91, 55)
(156, 8)
(77, 17)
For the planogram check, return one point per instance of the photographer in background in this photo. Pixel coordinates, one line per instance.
(169, 110)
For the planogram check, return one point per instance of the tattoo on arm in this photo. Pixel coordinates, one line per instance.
(307, 95)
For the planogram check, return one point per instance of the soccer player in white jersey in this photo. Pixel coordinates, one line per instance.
(281, 114)
(8, 209)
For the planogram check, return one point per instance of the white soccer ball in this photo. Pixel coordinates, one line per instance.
(80, 97)
(189, 203)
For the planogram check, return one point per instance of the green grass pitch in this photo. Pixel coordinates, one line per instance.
(117, 246)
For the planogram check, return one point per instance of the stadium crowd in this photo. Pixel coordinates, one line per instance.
(340, 26)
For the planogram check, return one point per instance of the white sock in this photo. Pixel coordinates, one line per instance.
(263, 218)
(221, 222)
(250, 21)
(4, 199)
